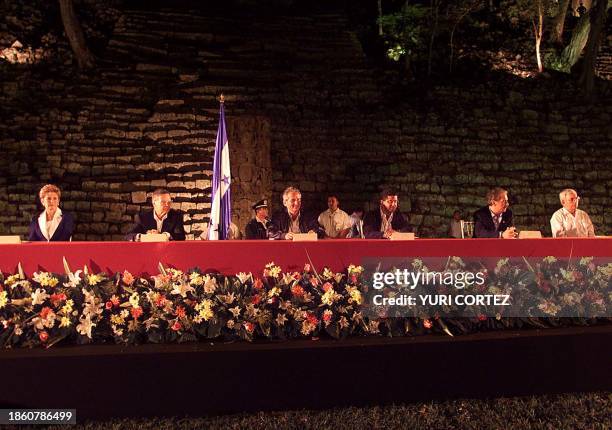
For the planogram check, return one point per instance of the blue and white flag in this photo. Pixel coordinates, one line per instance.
(221, 207)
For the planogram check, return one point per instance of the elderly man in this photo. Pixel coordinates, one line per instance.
(381, 223)
(335, 221)
(569, 221)
(257, 228)
(161, 220)
(290, 220)
(495, 220)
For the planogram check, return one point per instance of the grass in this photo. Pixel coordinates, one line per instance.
(567, 411)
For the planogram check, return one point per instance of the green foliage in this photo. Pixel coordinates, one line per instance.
(405, 31)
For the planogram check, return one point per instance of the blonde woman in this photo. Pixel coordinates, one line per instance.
(53, 224)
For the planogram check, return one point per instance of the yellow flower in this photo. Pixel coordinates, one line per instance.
(357, 270)
(606, 270)
(65, 322)
(134, 300)
(330, 297)
(12, 279)
(550, 259)
(196, 279)
(3, 299)
(67, 308)
(275, 291)
(327, 274)
(584, 261)
(45, 279)
(94, 279)
(117, 319)
(205, 310)
(272, 270)
(354, 295)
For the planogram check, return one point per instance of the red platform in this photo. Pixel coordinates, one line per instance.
(230, 257)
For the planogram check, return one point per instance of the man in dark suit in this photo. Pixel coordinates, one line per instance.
(495, 220)
(161, 220)
(381, 223)
(292, 219)
(257, 228)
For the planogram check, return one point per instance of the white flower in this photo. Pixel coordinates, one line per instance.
(181, 288)
(210, 284)
(90, 307)
(584, 261)
(39, 296)
(244, 276)
(85, 326)
(134, 300)
(74, 279)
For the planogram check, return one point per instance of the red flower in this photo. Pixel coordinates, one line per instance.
(482, 317)
(256, 299)
(327, 317)
(109, 305)
(297, 291)
(115, 300)
(180, 312)
(56, 299)
(296, 276)
(312, 319)
(307, 268)
(249, 326)
(314, 281)
(427, 324)
(136, 312)
(326, 286)
(176, 326)
(43, 336)
(44, 313)
(544, 286)
(160, 301)
(353, 279)
(258, 284)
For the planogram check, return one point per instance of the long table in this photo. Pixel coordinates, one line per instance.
(230, 257)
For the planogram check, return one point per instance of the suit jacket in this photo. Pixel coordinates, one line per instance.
(373, 220)
(173, 224)
(281, 221)
(484, 225)
(62, 234)
(256, 230)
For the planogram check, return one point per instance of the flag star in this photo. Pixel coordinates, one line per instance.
(225, 180)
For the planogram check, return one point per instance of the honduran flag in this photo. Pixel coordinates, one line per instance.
(221, 207)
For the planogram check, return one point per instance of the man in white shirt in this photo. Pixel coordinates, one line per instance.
(569, 221)
(334, 220)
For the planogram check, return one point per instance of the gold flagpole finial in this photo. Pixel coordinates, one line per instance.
(222, 98)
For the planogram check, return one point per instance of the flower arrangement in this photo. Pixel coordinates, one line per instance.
(175, 306)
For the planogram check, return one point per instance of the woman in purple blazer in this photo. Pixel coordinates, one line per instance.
(53, 224)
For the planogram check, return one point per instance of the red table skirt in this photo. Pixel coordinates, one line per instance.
(230, 257)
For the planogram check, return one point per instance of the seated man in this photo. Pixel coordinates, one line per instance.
(257, 228)
(495, 220)
(290, 220)
(569, 221)
(161, 220)
(381, 223)
(335, 221)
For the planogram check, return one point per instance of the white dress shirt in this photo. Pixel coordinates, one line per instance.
(334, 222)
(48, 227)
(564, 224)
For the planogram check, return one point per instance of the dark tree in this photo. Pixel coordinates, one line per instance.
(74, 33)
(597, 17)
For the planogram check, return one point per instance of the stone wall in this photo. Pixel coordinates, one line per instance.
(304, 108)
